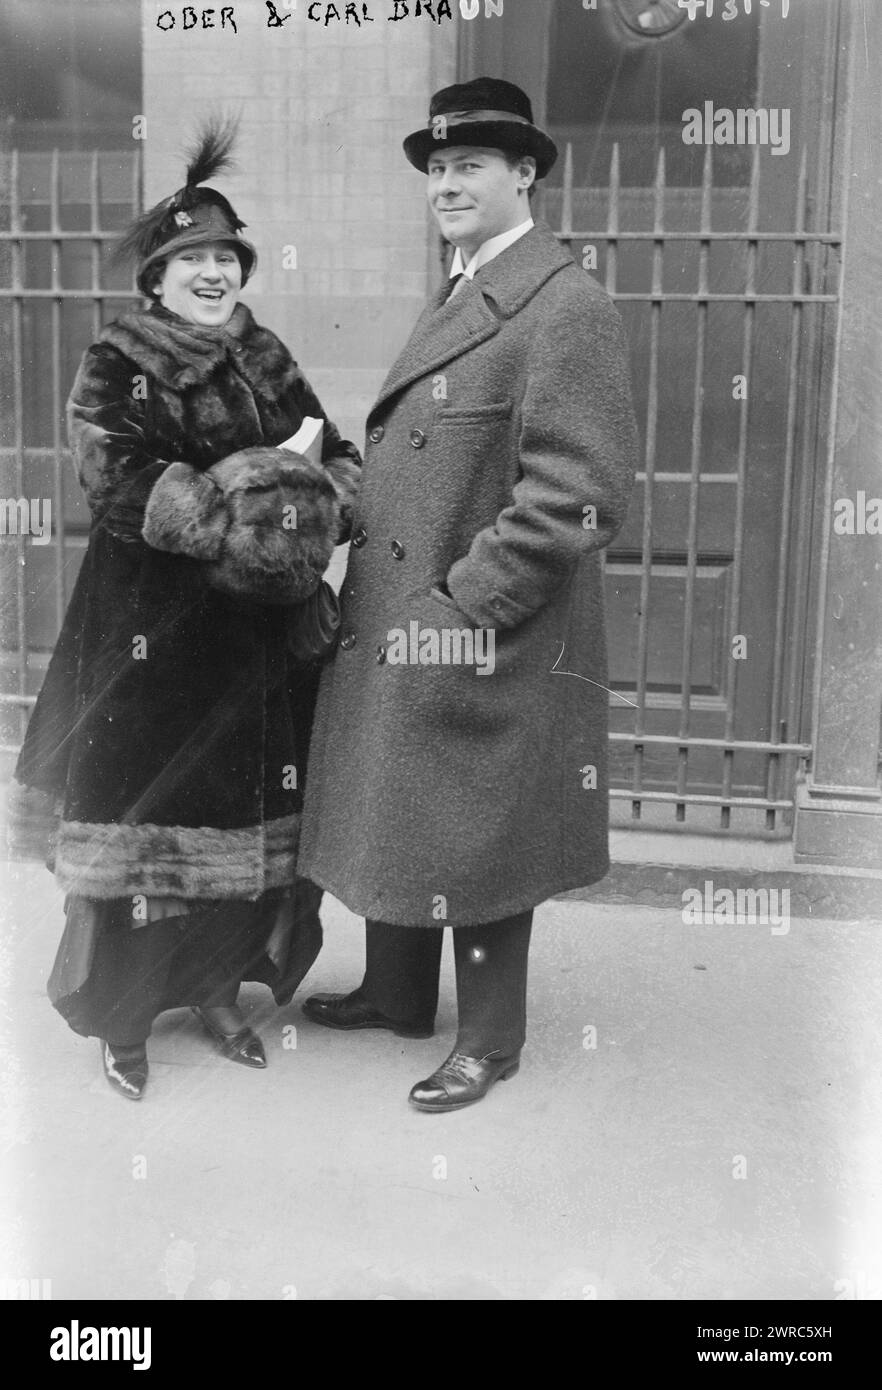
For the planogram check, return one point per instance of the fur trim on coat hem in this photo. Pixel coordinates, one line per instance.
(119, 861)
(32, 820)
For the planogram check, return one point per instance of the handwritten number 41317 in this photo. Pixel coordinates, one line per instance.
(731, 10)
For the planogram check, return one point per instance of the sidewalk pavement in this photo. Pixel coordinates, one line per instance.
(697, 1115)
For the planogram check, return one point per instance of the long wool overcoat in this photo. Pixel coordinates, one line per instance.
(160, 758)
(500, 460)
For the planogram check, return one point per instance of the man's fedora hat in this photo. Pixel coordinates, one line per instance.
(192, 216)
(487, 112)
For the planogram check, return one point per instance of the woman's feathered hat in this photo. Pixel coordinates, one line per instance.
(193, 215)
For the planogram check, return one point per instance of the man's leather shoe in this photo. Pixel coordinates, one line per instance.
(462, 1080)
(125, 1069)
(350, 1011)
(242, 1046)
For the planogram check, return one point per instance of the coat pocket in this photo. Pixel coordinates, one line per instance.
(446, 601)
(475, 414)
(455, 680)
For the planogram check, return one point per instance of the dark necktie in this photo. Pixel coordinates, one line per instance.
(457, 285)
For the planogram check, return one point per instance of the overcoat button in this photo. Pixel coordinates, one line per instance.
(376, 434)
(360, 538)
(381, 656)
(417, 438)
(348, 642)
(398, 550)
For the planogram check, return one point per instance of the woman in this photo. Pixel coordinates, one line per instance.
(163, 769)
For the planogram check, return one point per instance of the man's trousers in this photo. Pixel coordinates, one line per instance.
(402, 969)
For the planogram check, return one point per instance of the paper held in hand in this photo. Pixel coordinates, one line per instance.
(308, 440)
(308, 443)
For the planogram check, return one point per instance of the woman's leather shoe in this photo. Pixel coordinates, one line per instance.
(126, 1069)
(242, 1046)
(350, 1011)
(462, 1080)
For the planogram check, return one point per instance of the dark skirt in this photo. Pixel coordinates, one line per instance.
(112, 976)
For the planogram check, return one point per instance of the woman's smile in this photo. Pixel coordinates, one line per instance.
(202, 283)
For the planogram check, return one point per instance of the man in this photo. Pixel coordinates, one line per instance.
(458, 769)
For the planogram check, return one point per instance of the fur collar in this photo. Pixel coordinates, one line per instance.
(179, 354)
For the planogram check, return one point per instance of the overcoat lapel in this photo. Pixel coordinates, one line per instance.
(448, 327)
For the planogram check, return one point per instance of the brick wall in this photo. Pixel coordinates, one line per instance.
(324, 110)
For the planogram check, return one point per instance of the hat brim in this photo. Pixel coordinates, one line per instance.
(510, 136)
(198, 236)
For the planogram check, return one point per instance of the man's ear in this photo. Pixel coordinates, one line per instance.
(527, 171)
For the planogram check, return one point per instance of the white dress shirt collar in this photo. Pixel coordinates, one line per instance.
(488, 251)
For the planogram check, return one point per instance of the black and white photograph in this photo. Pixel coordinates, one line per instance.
(441, 663)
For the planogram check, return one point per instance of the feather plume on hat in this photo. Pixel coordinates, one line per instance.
(213, 152)
(194, 213)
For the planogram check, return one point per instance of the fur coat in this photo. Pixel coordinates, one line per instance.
(458, 769)
(166, 753)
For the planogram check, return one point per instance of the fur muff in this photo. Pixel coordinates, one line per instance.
(185, 514)
(283, 522)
